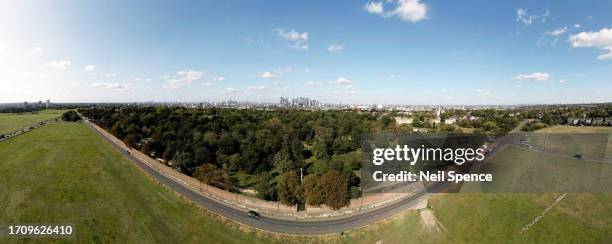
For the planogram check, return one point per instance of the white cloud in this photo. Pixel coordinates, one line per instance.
(562, 81)
(523, 16)
(554, 35)
(275, 74)
(183, 78)
(269, 75)
(344, 81)
(601, 39)
(335, 48)
(557, 32)
(34, 51)
(292, 35)
(537, 76)
(90, 67)
(411, 10)
(58, 64)
(576, 26)
(406, 10)
(607, 54)
(374, 8)
(112, 86)
(220, 78)
(298, 40)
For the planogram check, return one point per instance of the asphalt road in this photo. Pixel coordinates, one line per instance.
(283, 226)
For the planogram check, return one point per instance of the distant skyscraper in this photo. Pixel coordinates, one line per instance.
(299, 102)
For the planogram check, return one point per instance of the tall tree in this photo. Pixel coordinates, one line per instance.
(313, 190)
(335, 188)
(266, 186)
(289, 188)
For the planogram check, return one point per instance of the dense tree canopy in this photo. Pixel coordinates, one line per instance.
(70, 116)
(335, 189)
(216, 145)
(268, 150)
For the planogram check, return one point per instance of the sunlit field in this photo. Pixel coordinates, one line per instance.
(15, 121)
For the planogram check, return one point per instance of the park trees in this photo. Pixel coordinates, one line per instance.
(289, 188)
(268, 146)
(266, 186)
(70, 115)
(313, 190)
(335, 189)
(132, 140)
(211, 175)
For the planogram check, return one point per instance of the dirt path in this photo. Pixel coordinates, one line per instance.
(430, 220)
(526, 228)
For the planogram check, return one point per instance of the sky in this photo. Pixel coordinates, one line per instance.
(349, 52)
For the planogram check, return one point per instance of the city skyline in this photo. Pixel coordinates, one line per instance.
(351, 52)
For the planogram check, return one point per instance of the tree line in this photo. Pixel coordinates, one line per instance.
(291, 156)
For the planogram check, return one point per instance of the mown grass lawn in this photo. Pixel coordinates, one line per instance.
(64, 173)
(575, 129)
(11, 121)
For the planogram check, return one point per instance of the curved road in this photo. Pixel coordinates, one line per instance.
(283, 226)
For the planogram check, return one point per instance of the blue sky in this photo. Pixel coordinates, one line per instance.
(390, 51)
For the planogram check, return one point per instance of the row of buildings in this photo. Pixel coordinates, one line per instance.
(39, 104)
(300, 102)
(589, 121)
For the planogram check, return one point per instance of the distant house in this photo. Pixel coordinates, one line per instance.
(589, 121)
(472, 117)
(403, 120)
(573, 121)
(450, 121)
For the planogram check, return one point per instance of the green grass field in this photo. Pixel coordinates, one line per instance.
(64, 173)
(498, 218)
(575, 129)
(11, 121)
